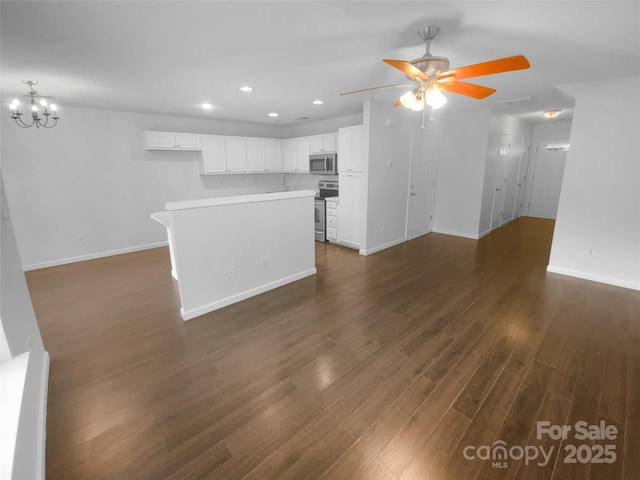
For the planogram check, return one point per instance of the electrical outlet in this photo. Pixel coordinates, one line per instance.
(81, 238)
(263, 262)
(230, 271)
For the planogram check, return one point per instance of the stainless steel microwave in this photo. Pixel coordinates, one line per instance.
(323, 164)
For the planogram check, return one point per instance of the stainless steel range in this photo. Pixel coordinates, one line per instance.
(326, 189)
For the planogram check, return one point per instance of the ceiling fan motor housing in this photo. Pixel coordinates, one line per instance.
(431, 65)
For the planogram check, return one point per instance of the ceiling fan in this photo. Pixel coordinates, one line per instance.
(431, 76)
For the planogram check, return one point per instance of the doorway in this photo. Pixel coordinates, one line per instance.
(422, 183)
(546, 181)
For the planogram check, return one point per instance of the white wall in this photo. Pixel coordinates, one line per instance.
(461, 167)
(322, 126)
(21, 336)
(387, 138)
(600, 199)
(90, 176)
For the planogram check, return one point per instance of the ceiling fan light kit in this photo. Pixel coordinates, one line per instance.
(432, 76)
(551, 113)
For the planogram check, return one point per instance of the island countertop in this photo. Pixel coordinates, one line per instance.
(237, 199)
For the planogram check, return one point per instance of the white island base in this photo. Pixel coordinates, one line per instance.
(224, 250)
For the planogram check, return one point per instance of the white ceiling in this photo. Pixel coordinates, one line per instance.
(169, 57)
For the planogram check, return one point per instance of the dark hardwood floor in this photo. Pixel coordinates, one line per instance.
(379, 367)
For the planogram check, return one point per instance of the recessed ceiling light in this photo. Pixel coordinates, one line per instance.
(273, 114)
(551, 113)
(207, 106)
(318, 102)
(246, 88)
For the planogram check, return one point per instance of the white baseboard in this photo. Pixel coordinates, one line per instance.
(210, 307)
(484, 234)
(92, 256)
(379, 248)
(594, 277)
(473, 236)
(42, 413)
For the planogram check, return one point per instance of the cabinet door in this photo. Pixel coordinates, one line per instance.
(214, 157)
(322, 143)
(356, 149)
(329, 142)
(160, 141)
(236, 154)
(290, 160)
(315, 143)
(303, 150)
(344, 153)
(256, 160)
(186, 141)
(349, 214)
(273, 154)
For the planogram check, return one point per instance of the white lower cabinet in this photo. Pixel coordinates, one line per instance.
(332, 220)
(350, 210)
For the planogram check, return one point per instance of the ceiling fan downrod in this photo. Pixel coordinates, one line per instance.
(427, 34)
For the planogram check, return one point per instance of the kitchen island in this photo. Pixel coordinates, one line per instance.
(226, 249)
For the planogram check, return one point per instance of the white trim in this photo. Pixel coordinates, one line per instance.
(42, 417)
(487, 232)
(210, 307)
(382, 247)
(92, 256)
(594, 277)
(472, 236)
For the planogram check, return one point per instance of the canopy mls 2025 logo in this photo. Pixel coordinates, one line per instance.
(500, 453)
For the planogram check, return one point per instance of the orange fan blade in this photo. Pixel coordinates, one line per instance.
(374, 88)
(467, 89)
(406, 68)
(500, 65)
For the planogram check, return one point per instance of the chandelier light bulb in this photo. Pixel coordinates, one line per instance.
(34, 108)
(14, 104)
(435, 99)
(53, 107)
(43, 102)
(412, 101)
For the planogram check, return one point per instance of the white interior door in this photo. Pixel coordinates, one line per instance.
(546, 182)
(501, 180)
(424, 151)
(518, 207)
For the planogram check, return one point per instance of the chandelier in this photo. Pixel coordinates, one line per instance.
(43, 113)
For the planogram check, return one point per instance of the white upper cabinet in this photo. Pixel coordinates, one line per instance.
(214, 156)
(303, 149)
(323, 143)
(350, 149)
(256, 158)
(273, 155)
(172, 141)
(235, 148)
(289, 155)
